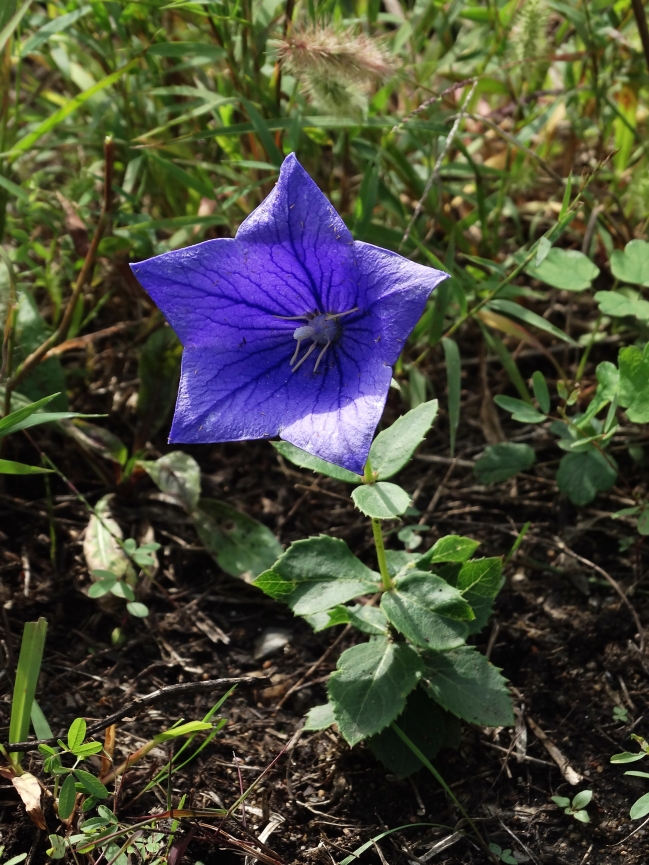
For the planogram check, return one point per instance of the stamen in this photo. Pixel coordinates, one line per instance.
(297, 351)
(308, 354)
(331, 315)
(315, 368)
(295, 317)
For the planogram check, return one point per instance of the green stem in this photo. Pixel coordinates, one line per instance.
(380, 555)
(415, 750)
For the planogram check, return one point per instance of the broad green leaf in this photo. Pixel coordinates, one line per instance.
(397, 560)
(634, 382)
(454, 385)
(502, 461)
(393, 448)
(158, 370)
(368, 620)
(426, 724)
(121, 589)
(10, 467)
(323, 573)
(101, 588)
(464, 682)
(582, 799)
(632, 265)
(101, 547)
(240, 545)
(545, 245)
(178, 475)
(515, 310)
(91, 784)
(481, 577)
(382, 501)
(627, 757)
(561, 801)
(76, 733)
(308, 461)
(623, 303)
(520, 410)
(426, 610)
(568, 269)
(541, 391)
(368, 690)
(582, 475)
(320, 717)
(135, 608)
(452, 548)
(67, 797)
(640, 808)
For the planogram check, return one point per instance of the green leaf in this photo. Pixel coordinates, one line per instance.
(67, 797)
(56, 25)
(15, 421)
(178, 475)
(27, 672)
(308, 461)
(382, 501)
(582, 475)
(101, 547)
(394, 447)
(567, 269)
(10, 467)
(426, 610)
(179, 50)
(452, 548)
(582, 816)
(368, 690)
(320, 717)
(426, 724)
(101, 587)
(135, 608)
(368, 620)
(158, 370)
(515, 310)
(464, 682)
(454, 385)
(520, 410)
(541, 391)
(183, 730)
(121, 589)
(90, 784)
(502, 461)
(482, 577)
(97, 439)
(640, 807)
(12, 24)
(620, 304)
(632, 265)
(561, 801)
(544, 246)
(582, 799)
(240, 545)
(634, 382)
(322, 571)
(627, 757)
(76, 733)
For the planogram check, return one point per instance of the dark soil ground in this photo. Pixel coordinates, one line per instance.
(561, 634)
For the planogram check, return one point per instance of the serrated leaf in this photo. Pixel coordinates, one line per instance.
(307, 461)
(520, 410)
(67, 797)
(452, 548)
(464, 682)
(620, 304)
(90, 784)
(393, 448)
(426, 724)
(426, 610)
(567, 269)
(100, 545)
(178, 475)
(582, 475)
(76, 733)
(322, 573)
(382, 501)
(320, 717)
(634, 382)
(503, 461)
(368, 690)
(632, 265)
(240, 545)
(482, 577)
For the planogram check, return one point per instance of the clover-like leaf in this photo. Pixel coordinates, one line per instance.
(503, 461)
(634, 382)
(368, 690)
(567, 269)
(632, 265)
(382, 501)
(621, 304)
(583, 474)
(393, 447)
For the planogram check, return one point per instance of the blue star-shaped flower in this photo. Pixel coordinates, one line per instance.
(289, 329)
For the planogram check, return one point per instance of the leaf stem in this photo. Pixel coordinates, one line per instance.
(380, 554)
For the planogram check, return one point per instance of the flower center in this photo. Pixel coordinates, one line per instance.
(322, 328)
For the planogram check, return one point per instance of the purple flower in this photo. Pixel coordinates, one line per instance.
(289, 329)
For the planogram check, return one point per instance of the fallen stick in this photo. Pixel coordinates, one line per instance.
(571, 776)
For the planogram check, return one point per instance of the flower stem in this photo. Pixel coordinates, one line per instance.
(380, 554)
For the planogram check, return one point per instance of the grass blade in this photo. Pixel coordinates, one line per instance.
(29, 666)
(454, 381)
(12, 23)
